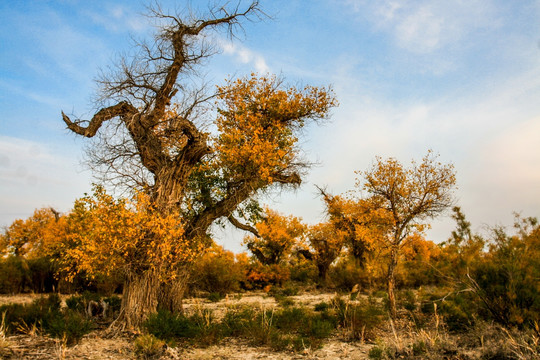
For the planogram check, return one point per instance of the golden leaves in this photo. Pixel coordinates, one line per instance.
(106, 235)
(257, 122)
(277, 235)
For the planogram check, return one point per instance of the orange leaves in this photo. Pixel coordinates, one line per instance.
(410, 195)
(277, 236)
(257, 121)
(32, 237)
(106, 235)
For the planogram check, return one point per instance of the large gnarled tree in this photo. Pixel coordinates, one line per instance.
(151, 136)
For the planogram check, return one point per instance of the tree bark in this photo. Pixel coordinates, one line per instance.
(171, 293)
(391, 281)
(323, 274)
(139, 299)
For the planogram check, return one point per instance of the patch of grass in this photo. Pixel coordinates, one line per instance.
(148, 347)
(358, 320)
(215, 297)
(290, 328)
(44, 315)
(167, 326)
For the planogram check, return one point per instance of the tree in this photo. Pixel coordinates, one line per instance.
(407, 197)
(326, 242)
(359, 222)
(274, 236)
(29, 238)
(107, 236)
(150, 134)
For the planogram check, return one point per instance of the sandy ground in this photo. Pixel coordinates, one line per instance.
(97, 346)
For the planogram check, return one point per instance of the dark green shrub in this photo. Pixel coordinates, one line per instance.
(167, 326)
(322, 306)
(457, 314)
(215, 297)
(376, 352)
(115, 303)
(238, 322)
(45, 314)
(359, 320)
(407, 299)
(70, 325)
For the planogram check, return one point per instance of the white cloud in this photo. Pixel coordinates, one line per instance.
(423, 26)
(118, 18)
(34, 175)
(244, 55)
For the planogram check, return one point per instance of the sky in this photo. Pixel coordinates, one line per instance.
(461, 78)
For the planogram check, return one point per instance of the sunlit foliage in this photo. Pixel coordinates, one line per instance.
(31, 237)
(106, 235)
(276, 236)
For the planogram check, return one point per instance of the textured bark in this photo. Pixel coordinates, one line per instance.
(172, 293)
(139, 299)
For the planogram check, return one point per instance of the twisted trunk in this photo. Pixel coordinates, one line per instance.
(139, 299)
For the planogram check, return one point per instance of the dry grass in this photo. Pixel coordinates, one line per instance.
(403, 339)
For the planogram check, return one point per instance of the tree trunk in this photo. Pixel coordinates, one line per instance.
(172, 292)
(323, 274)
(391, 281)
(139, 299)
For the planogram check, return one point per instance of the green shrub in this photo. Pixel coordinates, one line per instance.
(376, 352)
(45, 314)
(360, 319)
(238, 322)
(322, 306)
(168, 326)
(71, 326)
(115, 304)
(148, 347)
(458, 312)
(215, 297)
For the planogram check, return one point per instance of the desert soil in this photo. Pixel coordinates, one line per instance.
(97, 345)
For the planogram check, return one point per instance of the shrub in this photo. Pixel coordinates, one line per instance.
(71, 326)
(322, 306)
(148, 347)
(168, 326)
(45, 314)
(359, 319)
(215, 297)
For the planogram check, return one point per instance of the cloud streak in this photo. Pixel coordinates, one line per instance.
(423, 26)
(244, 55)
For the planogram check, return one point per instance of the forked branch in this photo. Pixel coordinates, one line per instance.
(122, 109)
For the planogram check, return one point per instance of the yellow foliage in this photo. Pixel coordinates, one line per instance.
(277, 236)
(32, 237)
(105, 235)
(256, 123)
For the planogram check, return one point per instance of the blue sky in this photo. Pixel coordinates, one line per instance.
(459, 77)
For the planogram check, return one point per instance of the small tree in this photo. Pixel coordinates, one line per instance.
(274, 236)
(29, 238)
(327, 243)
(405, 198)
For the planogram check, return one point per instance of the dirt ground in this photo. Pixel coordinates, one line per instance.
(97, 345)
(486, 343)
